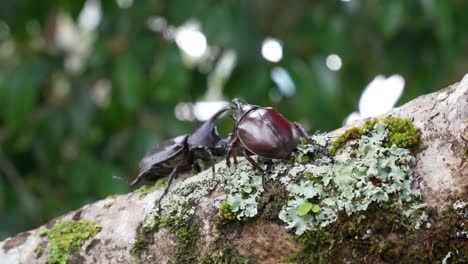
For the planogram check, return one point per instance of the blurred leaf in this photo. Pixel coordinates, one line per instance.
(391, 16)
(22, 92)
(441, 12)
(73, 7)
(129, 83)
(171, 78)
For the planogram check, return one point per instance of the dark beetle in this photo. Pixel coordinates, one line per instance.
(182, 153)
(263, 131)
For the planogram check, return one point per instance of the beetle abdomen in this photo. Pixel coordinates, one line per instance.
(265, 132)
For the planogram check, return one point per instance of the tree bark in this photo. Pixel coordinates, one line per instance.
(440, 169)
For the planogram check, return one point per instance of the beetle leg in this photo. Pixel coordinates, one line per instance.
(256, 166)
(232, 152)
(252, 161)
(269, 164)
(213, 162)
(168, 184)
(197, 166)
(302, 131)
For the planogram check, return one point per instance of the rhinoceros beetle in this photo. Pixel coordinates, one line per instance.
(182, 153)
(263, 131)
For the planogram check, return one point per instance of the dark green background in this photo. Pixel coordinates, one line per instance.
(58, 153)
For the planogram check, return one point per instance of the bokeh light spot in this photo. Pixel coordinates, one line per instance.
(272, 50)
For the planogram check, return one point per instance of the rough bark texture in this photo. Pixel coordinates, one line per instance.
(441, 170)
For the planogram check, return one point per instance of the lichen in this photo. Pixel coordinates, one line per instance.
(67, 237)
(365, 173)
(242, 191)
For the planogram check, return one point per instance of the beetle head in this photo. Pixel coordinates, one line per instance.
(242, 108)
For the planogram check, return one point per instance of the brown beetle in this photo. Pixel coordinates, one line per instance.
(263, 131)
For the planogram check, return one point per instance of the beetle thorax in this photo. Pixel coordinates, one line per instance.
(267, 133)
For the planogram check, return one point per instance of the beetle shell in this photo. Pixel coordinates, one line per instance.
(265, 132)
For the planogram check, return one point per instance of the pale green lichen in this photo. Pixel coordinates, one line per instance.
(180, 204)
(67, 237)
(365, 173)
(461, 209)
(242, 189)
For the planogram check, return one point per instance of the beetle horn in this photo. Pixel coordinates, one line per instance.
(220, 111)
(206, 135)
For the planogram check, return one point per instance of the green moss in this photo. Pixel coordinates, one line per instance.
(351, 133)
(182, 228)
(225, 256)
(402, 133)
(111, 196)
(107, 205)
(152, 225)
(146, 189)
(67, 237)
(225, 215)
(187, 232)
(39, 249)
(273, 201)
(138, 246)
(289, 259)
(386, 235)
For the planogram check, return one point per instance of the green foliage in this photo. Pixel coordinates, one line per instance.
(66, 130)
(66, 237)
(306, 207)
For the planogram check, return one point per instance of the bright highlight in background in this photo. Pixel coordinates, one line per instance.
(191, 40)
(124, 3)
(200, 111)
(90, 15)
(272, 50)
(333, 62)
(283, 81)
(379, 96)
